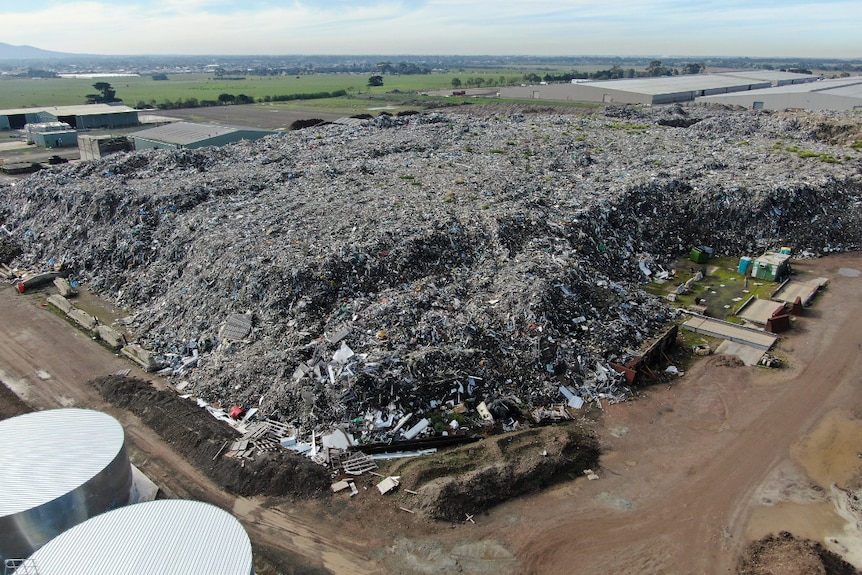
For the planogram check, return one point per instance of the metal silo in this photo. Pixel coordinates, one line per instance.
(164, 537)
(58, 468)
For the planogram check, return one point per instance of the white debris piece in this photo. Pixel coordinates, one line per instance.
(343, 354)
(573, 400)
(421, 426)
(388, 484)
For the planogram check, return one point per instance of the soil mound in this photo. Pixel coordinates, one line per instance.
(198, 437)
(784, 554)
(476, 477)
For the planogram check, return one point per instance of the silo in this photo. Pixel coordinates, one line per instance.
(163, 537)
(58, 468)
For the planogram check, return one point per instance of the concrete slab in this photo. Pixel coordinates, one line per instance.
(805, 290)
(725, 330)
(749, 355)
(759, 310)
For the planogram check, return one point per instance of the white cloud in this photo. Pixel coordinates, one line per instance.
(733, 27)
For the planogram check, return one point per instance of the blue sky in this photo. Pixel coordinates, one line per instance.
(789, 28)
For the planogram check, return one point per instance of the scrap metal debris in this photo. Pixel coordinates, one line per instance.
(421, 277)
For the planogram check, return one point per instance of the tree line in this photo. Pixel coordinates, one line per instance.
(230, 100)
(653, 70)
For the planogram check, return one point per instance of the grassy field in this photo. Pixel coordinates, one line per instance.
(26, 92)
(723, 290)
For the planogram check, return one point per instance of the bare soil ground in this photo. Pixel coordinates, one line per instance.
(265, 117)
(683, 474)
(785, 554)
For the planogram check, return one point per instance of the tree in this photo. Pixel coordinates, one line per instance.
(160, 76)
(656, 69)
(106, 96)
(456, 82)
(226, 98)
(375, 81)
(693, 68)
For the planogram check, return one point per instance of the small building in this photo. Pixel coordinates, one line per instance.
(42, 127)
(771, 266)
(179, 135)
(60, 139)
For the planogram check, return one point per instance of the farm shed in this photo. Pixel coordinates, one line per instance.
(83, 116)
(191, 135)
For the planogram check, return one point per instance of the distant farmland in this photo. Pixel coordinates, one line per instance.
(25, 92)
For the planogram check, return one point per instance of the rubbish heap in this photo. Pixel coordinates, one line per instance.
(390, 276)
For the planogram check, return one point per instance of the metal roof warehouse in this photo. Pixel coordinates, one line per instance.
(834, 94)
(82, 116)
(650, 91)
(191, 135)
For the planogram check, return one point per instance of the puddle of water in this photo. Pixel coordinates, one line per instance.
(816, 521)
(850, 272)
(831, 453)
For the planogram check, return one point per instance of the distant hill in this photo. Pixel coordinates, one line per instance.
(10, 52)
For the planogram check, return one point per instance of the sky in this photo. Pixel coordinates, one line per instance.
(755, 28)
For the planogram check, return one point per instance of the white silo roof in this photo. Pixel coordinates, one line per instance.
(47, 454)
(164, 537)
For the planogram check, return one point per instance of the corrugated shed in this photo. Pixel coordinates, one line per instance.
(81, 109)
(831, 94)
(165, 537)
(189, 133)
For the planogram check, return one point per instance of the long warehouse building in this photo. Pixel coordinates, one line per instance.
(78, 117)
(840, 94)
(654, 91)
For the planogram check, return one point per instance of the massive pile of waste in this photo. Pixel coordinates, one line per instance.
(369, 271)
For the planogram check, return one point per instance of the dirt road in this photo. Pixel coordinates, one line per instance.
(48, 364)
(685, 463)
(684, 471)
